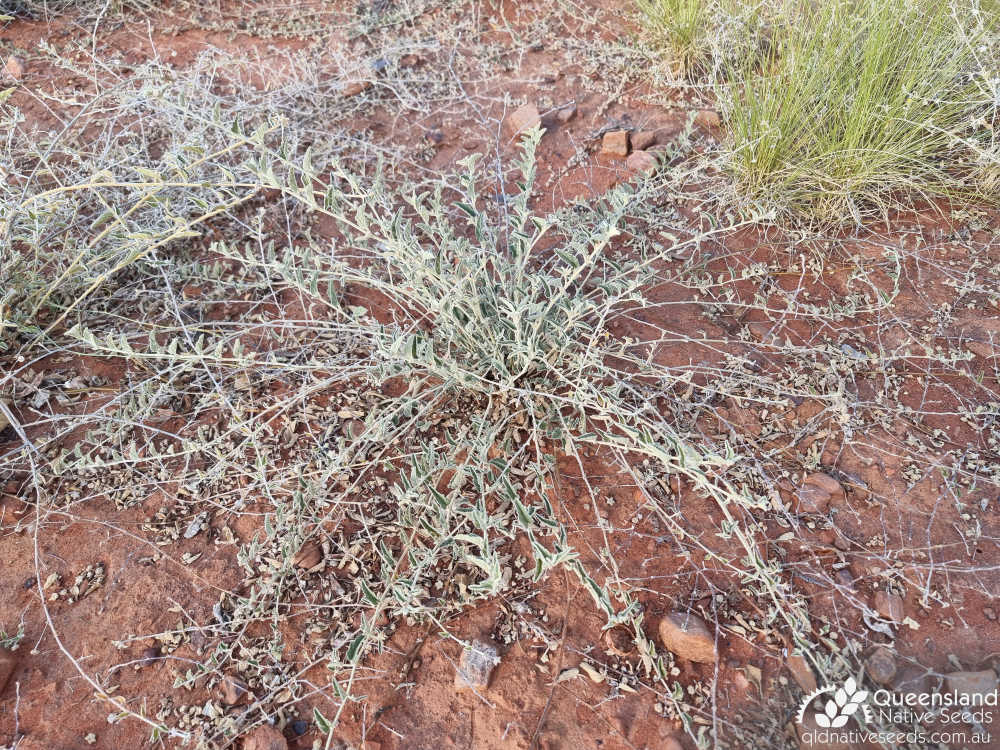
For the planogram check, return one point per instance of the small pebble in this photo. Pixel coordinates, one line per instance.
(523, 119)
(476, 666)
(150, 655)
(14, 69)
(566, 114)
(615, 144)
(881, 665)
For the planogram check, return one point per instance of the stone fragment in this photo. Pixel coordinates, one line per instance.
(912, 680)
(641, 162)
(353, 428)
(881, 665)
(817, 492)
(643, 140)
(567, 113)
(980, 348)
(619, 640)
(353, 88)
(476, 666)
(265, 737)
(14, 68)
(708, 118)
(809, 730)
(7, 666)
(763, 332)
(889, 606)
(687, 636)
(666, 136)
(801, 672)
(615, 143)
(150, 655)
(523, 119)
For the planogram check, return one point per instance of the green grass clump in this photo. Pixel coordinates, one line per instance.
(682, 25)
(858, 102)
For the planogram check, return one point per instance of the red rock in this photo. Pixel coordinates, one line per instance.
(817, 492)
(687, 636)
(889, 606)
(7, 665)
(881, 665)
(150, 655)
(857, 486)
(643, 140)
(845, 579)
(708, 118)
(567, 113)
(523, 119)
(642, 162)
(615, 144)
(912, 680)
(811, 499)
(476, 666)
(353, 88)
(665, 136)
(980, 348)
(801, 672)
(14, 68)
(265, 737)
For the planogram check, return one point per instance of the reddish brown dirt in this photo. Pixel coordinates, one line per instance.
(47, 703)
